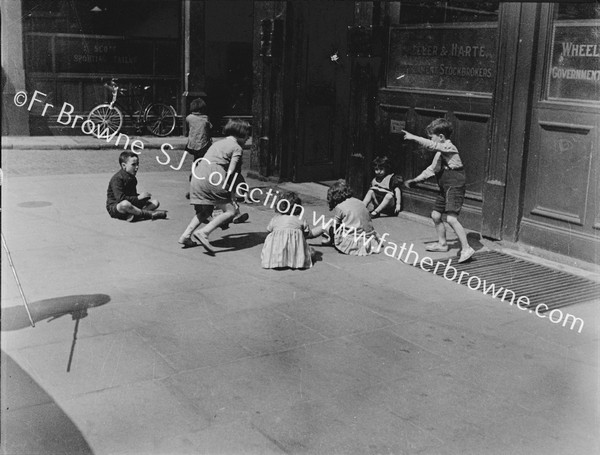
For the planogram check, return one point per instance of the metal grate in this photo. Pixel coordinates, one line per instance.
(539, 283)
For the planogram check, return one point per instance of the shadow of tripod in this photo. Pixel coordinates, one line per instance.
(77, 316)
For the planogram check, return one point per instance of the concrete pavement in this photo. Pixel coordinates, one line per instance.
(172, 351)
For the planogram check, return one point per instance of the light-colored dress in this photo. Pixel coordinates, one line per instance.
(208, 185)
(286, 246)
(358, 236)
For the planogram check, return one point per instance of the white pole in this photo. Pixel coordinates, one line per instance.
(12, 267)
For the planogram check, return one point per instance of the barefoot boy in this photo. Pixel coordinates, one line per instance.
(448, 169)
(123, 201)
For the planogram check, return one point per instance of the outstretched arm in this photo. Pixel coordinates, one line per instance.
(434, 167)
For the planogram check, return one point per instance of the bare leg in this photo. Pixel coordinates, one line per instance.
(224, 217)
(466, 251)
(203, 213)
(152, 204)
(387, 200)
(460, 231)
(202, 234)
(439, 227)
(194, 224)
(368, 198)
(128, 208)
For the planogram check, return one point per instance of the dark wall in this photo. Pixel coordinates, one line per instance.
(229, 58)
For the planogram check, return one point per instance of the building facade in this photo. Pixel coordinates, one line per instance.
(519, 81)
(330, 85)
(68, 49)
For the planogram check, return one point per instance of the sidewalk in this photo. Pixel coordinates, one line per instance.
(560, 262)
(140, 346)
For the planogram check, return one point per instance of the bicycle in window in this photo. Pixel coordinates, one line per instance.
(158, 118)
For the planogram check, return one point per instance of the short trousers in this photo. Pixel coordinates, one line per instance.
(114, 213)
(450, 200)
(452, 192)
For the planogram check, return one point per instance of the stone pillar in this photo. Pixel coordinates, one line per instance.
(15, 120)
(365, 60)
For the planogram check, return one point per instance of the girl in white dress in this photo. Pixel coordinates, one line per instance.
(285, 246)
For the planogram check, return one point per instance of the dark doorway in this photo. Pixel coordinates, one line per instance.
(322, 75)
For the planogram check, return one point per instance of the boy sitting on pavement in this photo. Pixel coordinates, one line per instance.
(122, 199)
(447, 167)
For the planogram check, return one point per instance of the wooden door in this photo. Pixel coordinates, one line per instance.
(322, 89)
(561, 210)
(441, 62)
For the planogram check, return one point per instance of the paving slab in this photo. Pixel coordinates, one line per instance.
(174, 351)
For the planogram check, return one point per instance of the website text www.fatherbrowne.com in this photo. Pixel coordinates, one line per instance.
(450, 273)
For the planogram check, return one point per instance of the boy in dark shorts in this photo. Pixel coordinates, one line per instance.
(447, 167)
(122, 199)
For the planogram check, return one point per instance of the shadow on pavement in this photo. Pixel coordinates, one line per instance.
(15, 317)
(32, 422)
(241, 241)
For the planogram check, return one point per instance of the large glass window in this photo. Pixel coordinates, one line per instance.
(139, 18)
(440, 12)
(444, 45)
(574, 61)
(102, 36)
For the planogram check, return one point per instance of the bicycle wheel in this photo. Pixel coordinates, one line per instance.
(107, 120)
(160, 119)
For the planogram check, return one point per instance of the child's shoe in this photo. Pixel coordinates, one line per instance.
(437, 247)
(187, 242)
(242, 218)
(466, 254)
(145, 215)
(159, 215)
(203, 239)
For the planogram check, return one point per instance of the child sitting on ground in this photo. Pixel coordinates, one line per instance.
(286, 246)
(122, 199)
(384, 193)
(352, 231)
(447, 167)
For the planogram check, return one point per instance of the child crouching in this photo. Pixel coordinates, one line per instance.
(286, 246)
(352, 231)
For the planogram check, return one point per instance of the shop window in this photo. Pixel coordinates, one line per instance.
(447, 12)
(102, 37)
(574, 57)
(139, 18)
(444, 46)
